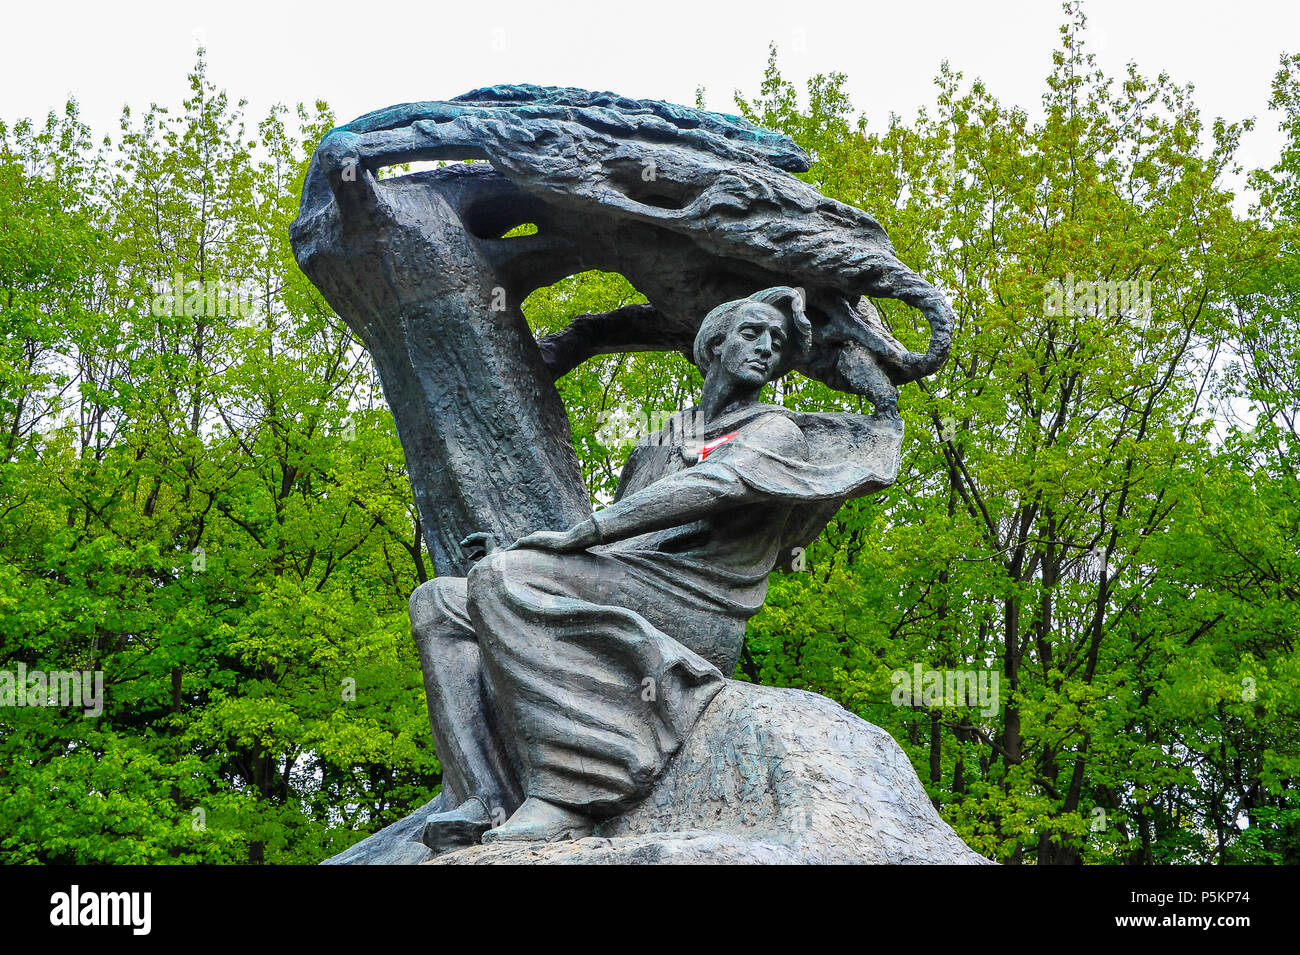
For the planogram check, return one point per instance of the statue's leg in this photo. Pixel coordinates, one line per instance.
(476, 757)
(597, 696)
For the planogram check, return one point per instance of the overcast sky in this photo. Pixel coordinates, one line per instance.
(362, 56)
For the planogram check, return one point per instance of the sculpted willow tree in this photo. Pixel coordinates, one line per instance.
(694, 208)
(537, 660)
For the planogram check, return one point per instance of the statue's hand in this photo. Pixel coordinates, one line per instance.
(478, 545)
(576, 538)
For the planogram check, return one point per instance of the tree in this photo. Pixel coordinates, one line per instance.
(204, 500)
(1091, 258)
(1098, 504)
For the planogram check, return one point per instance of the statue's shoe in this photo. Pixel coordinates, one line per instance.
(457, 828)
(540, 821)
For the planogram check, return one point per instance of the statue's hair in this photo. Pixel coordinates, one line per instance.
(721, 320)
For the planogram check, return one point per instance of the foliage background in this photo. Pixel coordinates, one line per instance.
(1101, 507)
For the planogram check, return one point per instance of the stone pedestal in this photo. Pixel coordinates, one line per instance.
(767, 776)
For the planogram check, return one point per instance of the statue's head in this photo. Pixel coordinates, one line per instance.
(756, 339)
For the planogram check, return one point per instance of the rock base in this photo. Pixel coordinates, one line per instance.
(768, 776)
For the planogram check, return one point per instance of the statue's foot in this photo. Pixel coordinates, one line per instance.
(540, 821)
(457, 828)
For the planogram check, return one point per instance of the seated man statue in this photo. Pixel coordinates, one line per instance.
(565, 671)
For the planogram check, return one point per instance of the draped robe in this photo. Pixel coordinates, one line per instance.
(575, 677)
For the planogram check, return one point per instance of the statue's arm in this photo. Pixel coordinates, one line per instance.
(707, 488)
(680, 498)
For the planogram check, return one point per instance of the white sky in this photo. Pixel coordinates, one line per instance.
(362, 56)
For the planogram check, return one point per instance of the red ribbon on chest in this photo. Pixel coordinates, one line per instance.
(715, 444)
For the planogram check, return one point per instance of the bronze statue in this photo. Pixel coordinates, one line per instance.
(564, 672)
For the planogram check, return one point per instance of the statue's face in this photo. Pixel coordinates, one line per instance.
(754, 348)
